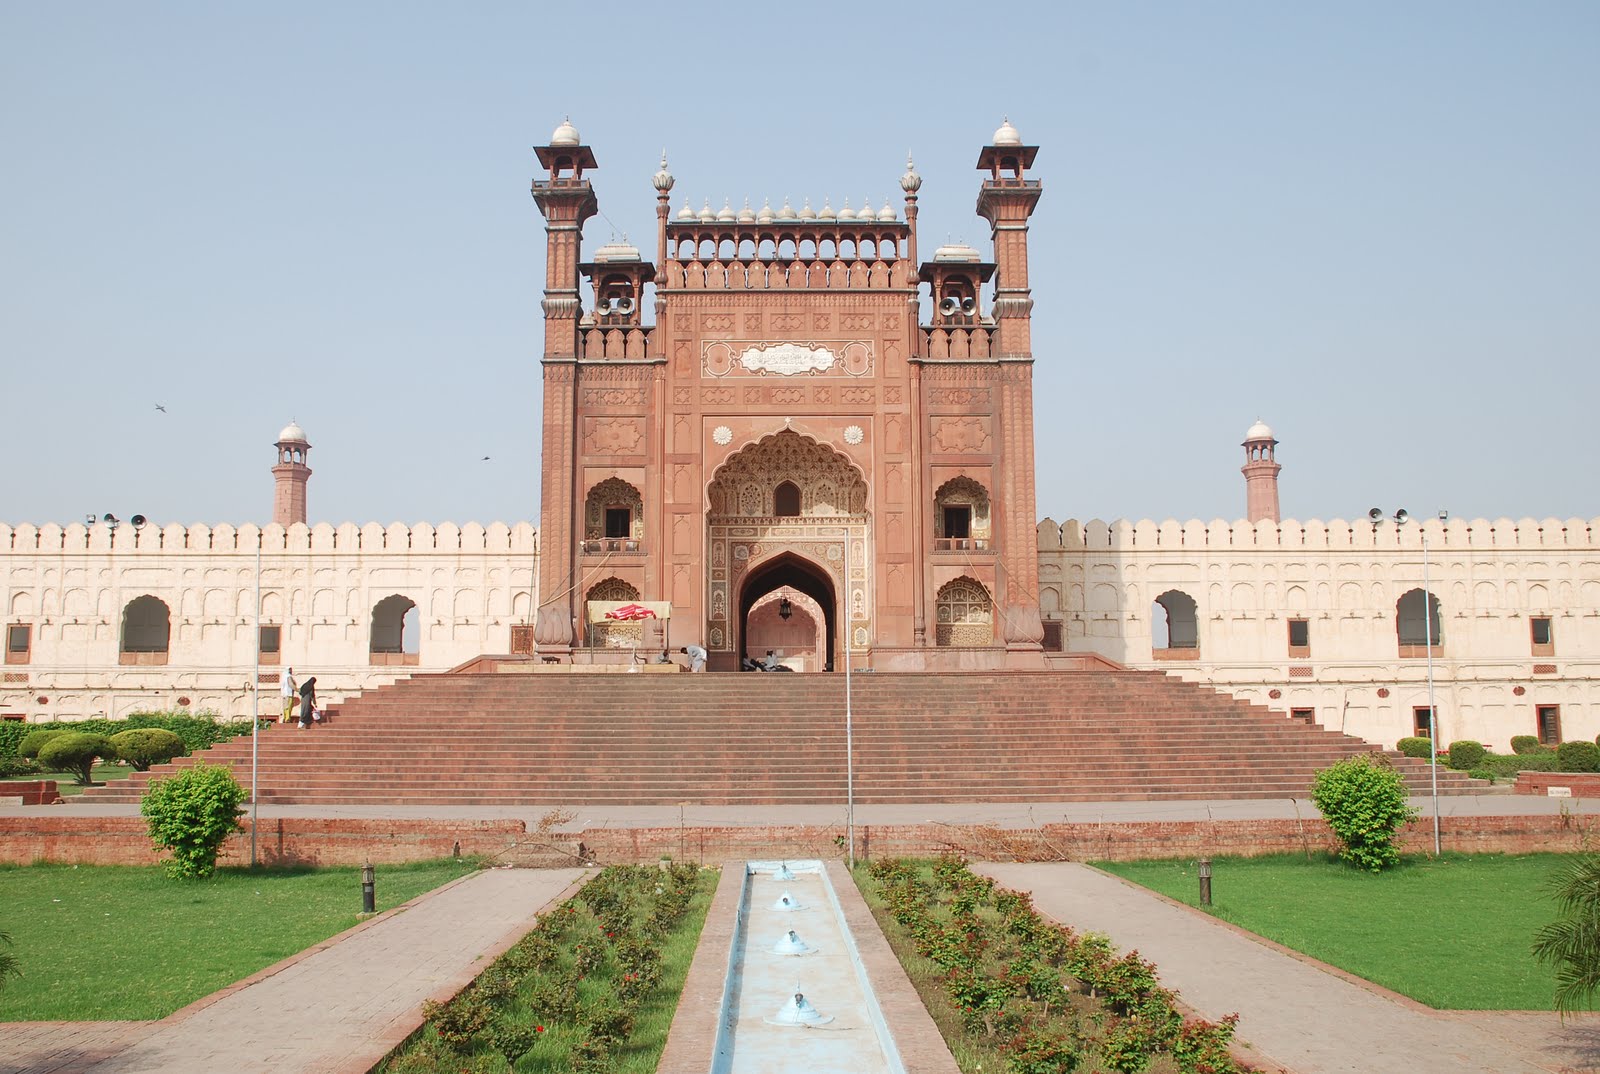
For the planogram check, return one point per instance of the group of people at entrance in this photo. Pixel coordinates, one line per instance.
(304, 695)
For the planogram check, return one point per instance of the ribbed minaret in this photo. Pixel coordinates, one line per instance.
(290, 476)
(1260, 473)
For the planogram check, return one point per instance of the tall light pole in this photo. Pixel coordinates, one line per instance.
(255, 713)
(849, 741)
(1400, 518)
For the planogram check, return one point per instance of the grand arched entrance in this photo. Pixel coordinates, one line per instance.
(780, 605)
(788, 513)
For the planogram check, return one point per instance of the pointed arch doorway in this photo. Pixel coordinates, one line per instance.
(800, 638)
(788, 512)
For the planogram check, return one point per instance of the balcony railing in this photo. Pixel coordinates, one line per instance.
(613, 544)
(961, 544)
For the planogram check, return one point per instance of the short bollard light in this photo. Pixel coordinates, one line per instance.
(1205, 881)
(369, 890)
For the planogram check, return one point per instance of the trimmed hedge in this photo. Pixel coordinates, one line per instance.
(1578, 757)
(145, 746)
(77, 752)
(1466, 754)
(35, 740)
(198, 731)
(1527, 744)
(1414, 747)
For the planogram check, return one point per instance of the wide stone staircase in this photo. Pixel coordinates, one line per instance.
(532, 739)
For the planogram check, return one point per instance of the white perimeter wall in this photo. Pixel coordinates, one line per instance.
(319, 584)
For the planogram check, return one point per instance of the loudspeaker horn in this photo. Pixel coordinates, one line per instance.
(138, 521)
(1376, 514)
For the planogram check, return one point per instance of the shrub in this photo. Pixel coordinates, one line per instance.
(12, 732)
(1466, 754)
(1578, 757)
(1527, 744)
(1506, 766)
(1364, 801)
(76, 752)
(14, 767)
(1414, 747)
(145, 746)
(34, 741)
(8, 961)
(191, 814)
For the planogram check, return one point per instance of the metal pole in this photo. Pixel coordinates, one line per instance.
(1433, 712)
(255, 711)
(849, 743)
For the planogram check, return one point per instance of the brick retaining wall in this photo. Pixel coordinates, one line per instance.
(122, 840)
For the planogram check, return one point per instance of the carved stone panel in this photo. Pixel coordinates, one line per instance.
(613, 436)
(961, 435)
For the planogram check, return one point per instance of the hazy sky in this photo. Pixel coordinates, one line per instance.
(1374, 225)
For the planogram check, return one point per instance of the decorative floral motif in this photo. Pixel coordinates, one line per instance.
(854, 435)
(722, 435)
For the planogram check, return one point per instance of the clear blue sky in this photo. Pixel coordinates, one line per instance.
(1374, 225)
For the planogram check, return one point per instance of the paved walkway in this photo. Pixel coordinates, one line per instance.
(1294, 1012)
(336, 1009)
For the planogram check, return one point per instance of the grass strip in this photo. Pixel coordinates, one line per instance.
(127, 942)
(1453, 932)
(593, 987)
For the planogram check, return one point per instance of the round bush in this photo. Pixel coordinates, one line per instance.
(1466, 754)
(1526, 744)
(1365, 803)
(1414, 747)
(1578, 757)
(145, 746)
(76, 752)
(34, 741)
(191, 814)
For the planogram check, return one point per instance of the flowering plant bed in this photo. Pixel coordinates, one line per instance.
(591, 988)
(1013, 991)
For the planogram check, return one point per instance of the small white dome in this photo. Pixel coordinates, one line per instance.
(910, 182)
(827, 213)
(566, 134)
(956, 251)
(617, 251)
(686, 213)
(1007, 134)
(726, 214)
(787, 213)
(765, 216)
(662, 180)
(847, 213)
(807, 213)
(1259, 431)
(708, 215)
(292, 433)
(887, 214)
(747, 215)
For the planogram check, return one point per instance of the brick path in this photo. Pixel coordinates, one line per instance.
(336, 1009)
(1295, 1012)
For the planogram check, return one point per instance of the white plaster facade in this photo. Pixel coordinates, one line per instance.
(70, 587)
(1344, 579)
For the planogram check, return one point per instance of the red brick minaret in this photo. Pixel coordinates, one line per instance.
(566, 199)
(290, 476)
(1006, 200)
(1260, 473)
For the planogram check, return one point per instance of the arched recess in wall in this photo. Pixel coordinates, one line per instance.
(1415, 626)
(614, 510)
(612, 634)
(965, 614)
(1174, 622)
(396, 636)
(146, 631)
(961, 514)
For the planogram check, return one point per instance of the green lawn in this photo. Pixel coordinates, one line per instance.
(123, 942)
(1452, 932)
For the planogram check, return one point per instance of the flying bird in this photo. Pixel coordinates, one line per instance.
(161, 408)
(484, 459)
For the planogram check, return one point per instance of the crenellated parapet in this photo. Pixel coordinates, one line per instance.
(200, 539)
(1456, 534)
